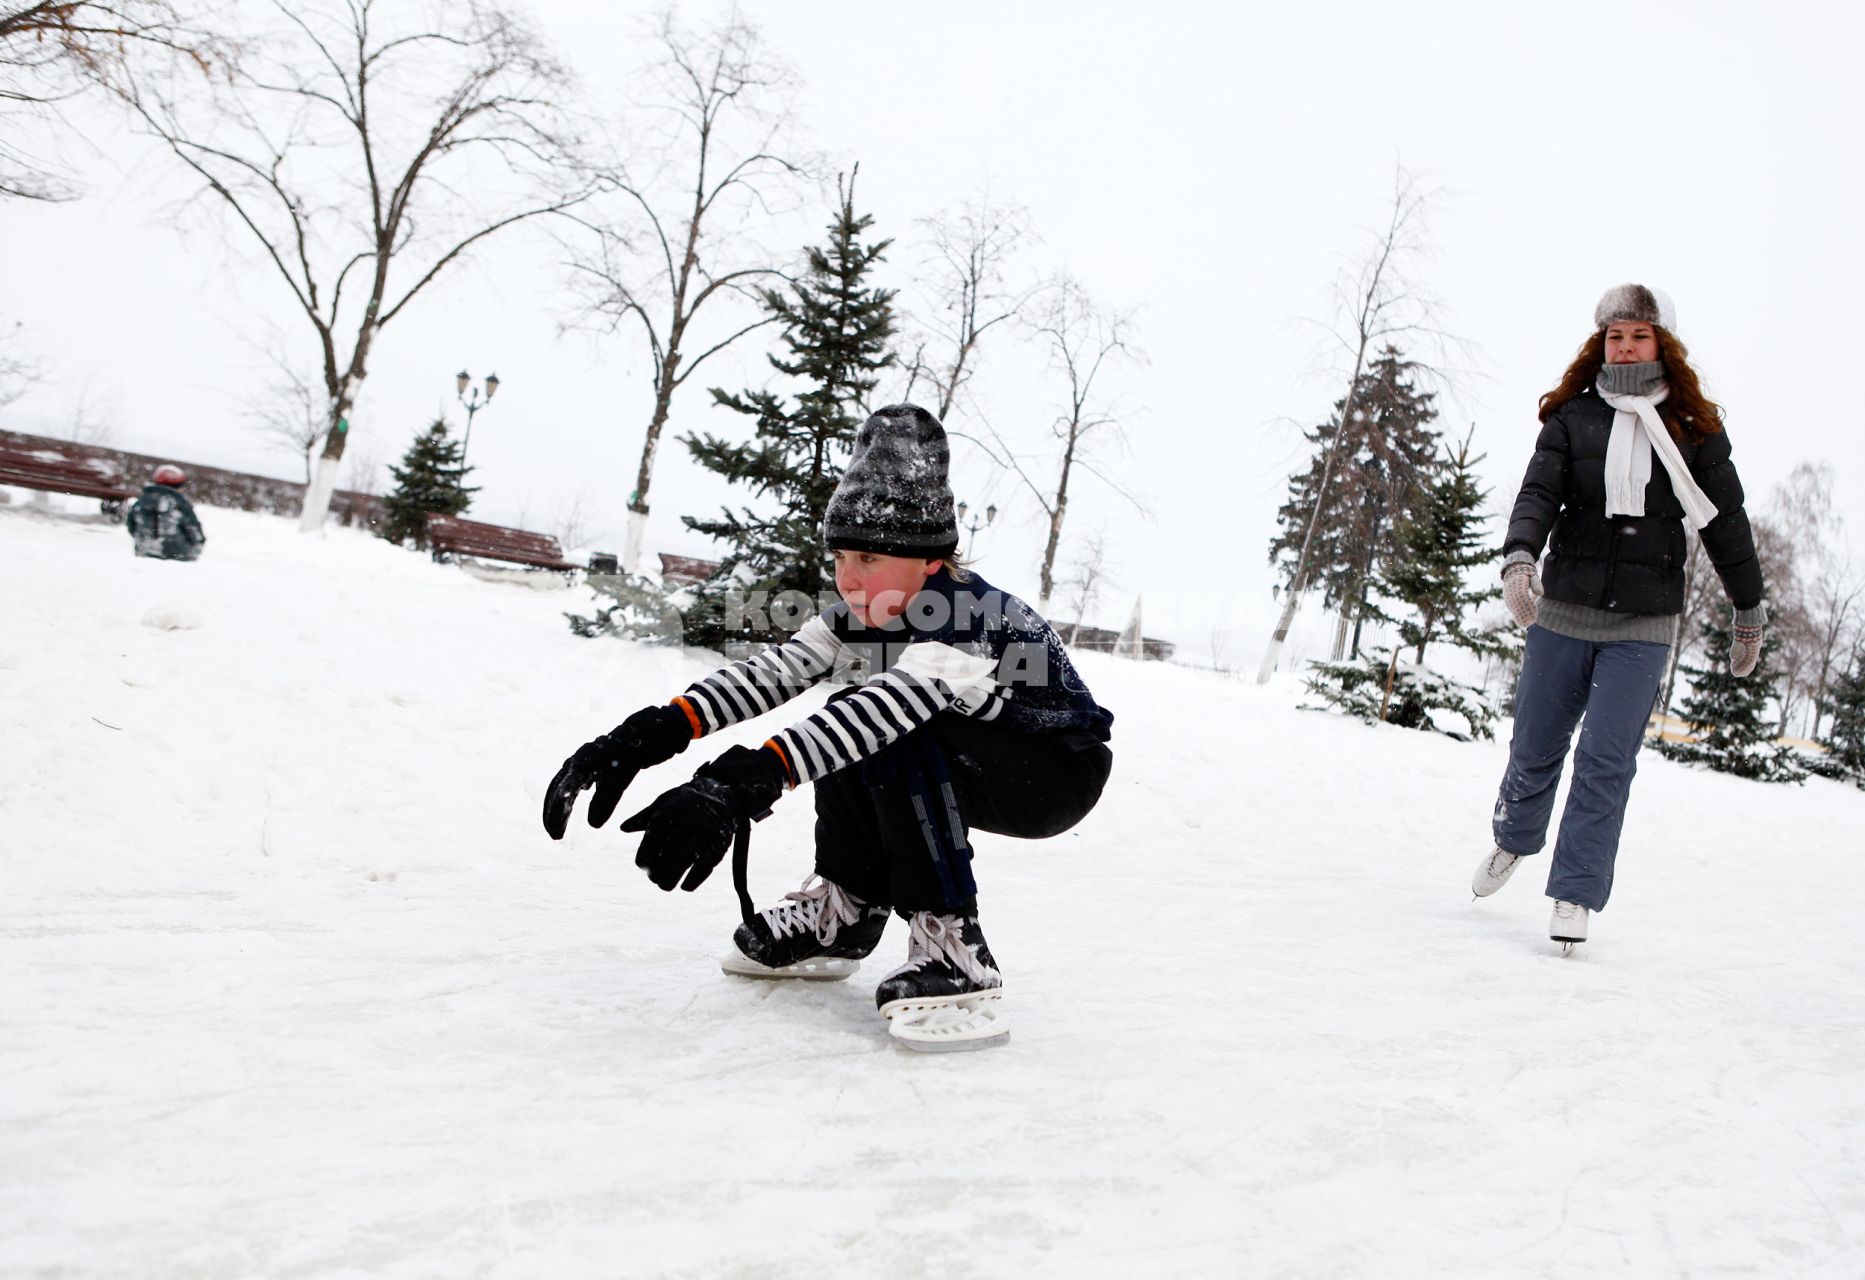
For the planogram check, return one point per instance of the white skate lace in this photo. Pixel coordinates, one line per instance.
(824, 907)
(932, 937)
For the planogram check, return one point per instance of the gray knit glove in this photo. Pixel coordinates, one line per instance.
(1520, 585)
(1745, 652)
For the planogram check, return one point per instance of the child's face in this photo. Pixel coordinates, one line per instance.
(878, 587)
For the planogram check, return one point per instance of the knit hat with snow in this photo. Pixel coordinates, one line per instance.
(1635, 302)
(894, 499)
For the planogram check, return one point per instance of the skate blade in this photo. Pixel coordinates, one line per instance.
(815, 969)
(947, 1024)
(1568, 944)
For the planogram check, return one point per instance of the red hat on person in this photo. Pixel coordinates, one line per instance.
(170, 474)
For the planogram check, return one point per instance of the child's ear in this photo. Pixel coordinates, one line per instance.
(931, 567)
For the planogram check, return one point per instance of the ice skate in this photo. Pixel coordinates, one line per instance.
(1569, 925)
(1494, 872)
(818, 932)
(949, 993)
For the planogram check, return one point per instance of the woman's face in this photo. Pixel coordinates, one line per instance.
(878, 587)
(1630, 342)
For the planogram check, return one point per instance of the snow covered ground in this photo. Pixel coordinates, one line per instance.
(293, 984)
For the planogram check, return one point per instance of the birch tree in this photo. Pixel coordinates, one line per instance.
(1083, 342)
(53, 50)
(363, 154)
(964, 293)
(1379, 301)
(672, 232)
(1826, 588)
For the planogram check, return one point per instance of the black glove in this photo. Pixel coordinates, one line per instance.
(690, 827)
(648, 737)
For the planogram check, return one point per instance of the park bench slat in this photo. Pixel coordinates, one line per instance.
(451, 535)
(42, 469)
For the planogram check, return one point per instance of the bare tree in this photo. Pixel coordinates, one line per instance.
(19, 371)
(1836, 604)
(1788, 617)
(365, 154)
(52, 50)
(93, 419)
(291, 415)
(1220, 640)
(577, 523)
(1380, 302)
(669, 234)
(1701, 589)
(965, 292)
(1089, 574)
(1082, 340)
(1823, 588)
(364, 458)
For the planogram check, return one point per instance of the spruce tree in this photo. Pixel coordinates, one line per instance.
(836, 327)
(1427, 569)
(1845, 734)
(1729, 715)
(430, 479)
(1422, 586)
(1388, 456)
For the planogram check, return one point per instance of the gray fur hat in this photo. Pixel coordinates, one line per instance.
(894, 499)
(1637, 303)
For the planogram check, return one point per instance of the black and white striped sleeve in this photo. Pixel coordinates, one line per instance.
(756, 685)
(928, 678)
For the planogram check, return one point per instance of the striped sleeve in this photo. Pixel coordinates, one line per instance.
(929, 677)
(756, 685)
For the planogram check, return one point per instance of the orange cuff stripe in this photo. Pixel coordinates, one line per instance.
(789, 773)
(692, 716)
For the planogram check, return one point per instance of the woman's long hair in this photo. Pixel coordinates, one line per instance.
(1689, 413)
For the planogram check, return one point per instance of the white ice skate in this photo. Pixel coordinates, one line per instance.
(974, 1021)
(949, 994)
(1569, 925)
(1493, 872)
(816, 968)
(819, 933)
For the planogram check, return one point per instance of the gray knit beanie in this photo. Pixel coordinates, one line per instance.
(894, 499)
(1636, 303)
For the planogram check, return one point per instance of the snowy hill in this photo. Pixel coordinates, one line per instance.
(294, 983)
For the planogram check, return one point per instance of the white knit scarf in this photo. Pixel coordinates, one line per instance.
(1637, 433)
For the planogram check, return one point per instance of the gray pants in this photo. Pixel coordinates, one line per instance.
(1607, 689)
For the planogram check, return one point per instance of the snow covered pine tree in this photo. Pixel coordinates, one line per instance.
(836, 327)
(431, 480)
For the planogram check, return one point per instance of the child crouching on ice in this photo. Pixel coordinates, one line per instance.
(964, 713)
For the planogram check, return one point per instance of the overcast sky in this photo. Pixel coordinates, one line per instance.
(1211, 166)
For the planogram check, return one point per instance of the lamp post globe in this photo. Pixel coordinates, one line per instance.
(974, 524)
(473, 403)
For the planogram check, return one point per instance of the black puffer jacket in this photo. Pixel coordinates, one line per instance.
(1625, 564)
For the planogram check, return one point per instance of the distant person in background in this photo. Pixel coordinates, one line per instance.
(1630, 448)
(163, 522)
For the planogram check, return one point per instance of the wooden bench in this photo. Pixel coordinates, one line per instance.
(57, 472)
(449, 536)
(685, 571)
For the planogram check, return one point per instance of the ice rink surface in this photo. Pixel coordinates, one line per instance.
(292, 983)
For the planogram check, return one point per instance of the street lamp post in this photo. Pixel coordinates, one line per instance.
(990, 514)
(474, 404)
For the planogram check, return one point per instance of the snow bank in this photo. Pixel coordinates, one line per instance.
(294, 984)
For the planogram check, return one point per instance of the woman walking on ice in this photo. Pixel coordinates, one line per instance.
(1630, 448)
(965, 713)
